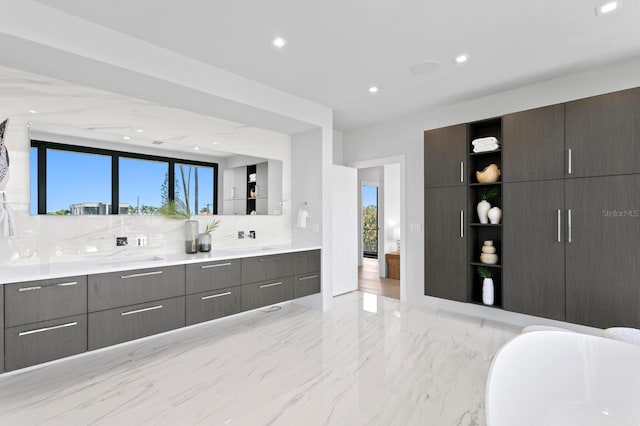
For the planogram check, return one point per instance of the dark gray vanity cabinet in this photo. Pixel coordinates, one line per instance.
(213, 304)
(603, 251)
(603, 134)
(445, 156)
(533, 144)
(135, 321)
(213, 275)
(445, 257)
(34, 301)
(533, 248)
(262, 268)
(44, 320)
(115, 289)
(306, 267)
(1, 331)
(265, 293)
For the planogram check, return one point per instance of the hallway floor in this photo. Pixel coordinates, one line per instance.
(369, 280)
(369, 361)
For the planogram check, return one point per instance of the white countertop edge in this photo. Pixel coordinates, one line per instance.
(45, 271)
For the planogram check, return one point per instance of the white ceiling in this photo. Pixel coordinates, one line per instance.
(336, 49)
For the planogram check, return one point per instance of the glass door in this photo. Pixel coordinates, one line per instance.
(370, 221)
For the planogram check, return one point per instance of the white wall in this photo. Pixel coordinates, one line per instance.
(306, 167)
(405, 136)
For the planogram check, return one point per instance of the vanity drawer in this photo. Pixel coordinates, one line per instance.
(262, 268)
(114, 326)
(266, 293)
(213, 275)
(306, 261)
(36, 301)
(124, 288)
(306, 284)
(213, 304)
(32, 344)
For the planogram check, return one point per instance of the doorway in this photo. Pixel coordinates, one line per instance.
(370, 221)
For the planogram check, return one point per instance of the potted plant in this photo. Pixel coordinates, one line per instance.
(487, 285)
(484, 205)
(177, 209)
(204, 239)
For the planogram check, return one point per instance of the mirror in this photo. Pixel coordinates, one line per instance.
(71, 114)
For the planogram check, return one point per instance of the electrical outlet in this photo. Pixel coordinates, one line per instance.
(121, 241)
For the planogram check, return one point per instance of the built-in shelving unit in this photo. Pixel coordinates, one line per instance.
(480, 232)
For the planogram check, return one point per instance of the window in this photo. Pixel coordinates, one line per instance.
(73, 180)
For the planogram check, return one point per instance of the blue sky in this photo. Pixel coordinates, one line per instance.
(78, 177)
(369, 195)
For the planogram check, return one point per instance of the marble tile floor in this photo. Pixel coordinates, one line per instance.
(369, 361)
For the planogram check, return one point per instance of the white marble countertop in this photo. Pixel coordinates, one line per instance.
(43, 271)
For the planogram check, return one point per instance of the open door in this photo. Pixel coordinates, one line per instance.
(344, 191)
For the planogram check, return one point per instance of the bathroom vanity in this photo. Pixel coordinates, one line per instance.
(52, 311)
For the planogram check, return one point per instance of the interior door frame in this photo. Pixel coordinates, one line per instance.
(382, 161)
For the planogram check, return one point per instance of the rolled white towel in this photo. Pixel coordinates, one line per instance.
(486, 148)
(7, 221)
(484, 141)
(302, 219)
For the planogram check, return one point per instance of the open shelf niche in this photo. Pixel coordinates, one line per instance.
(478, 232)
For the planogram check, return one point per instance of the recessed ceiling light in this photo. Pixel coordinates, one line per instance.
(196, 148)
(373, 89)
(216, 143)
(608, 7)
(461, 59)
(139, 130)
(33, 111)
(126, 138)
(279, 42)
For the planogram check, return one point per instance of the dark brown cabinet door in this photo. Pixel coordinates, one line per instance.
(533, 144)
(446, 243)
(533, 280)
(445, 153)
(603, 134)
(603, 251)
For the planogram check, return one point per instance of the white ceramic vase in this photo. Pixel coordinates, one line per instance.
(494, 214)
(487, 291)
(482, 209)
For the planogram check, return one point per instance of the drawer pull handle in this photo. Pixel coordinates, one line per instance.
(137, 311)
(41, 330)
(215, 266)
(67, 284)
(271, 285)
(215, 295)
(143, 274)
(272, 259)
(37, 287)
(307, 278)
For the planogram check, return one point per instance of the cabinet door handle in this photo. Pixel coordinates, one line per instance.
(308, 278)
(35, 287)
(271, 285)
(461, 223)
(215, 266)
(271, 259)
(143, 274)
(213, 296)
(569, 225)
(559, 226)
(42, 330)
(569, 161)
(137, 311)
(462, 171)
(69, 284)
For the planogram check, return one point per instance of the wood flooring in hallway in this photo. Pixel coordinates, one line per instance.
(369, 280)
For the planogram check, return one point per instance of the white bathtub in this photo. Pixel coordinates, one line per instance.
(552, 378)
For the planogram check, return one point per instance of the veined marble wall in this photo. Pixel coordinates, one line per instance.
(26, 98)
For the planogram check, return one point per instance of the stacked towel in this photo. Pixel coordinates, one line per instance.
(485, 144)
(7, 222)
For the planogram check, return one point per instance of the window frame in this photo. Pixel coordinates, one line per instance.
(115, 155)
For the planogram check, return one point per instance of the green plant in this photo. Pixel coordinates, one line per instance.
(484, 272)
(175, 209)
(487, 195)
(212, 226)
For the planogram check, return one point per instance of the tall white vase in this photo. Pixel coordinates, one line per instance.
(487, 291)
(482, 209)
(494, 214)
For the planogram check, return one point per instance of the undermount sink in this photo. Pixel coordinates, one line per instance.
(130, 260)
